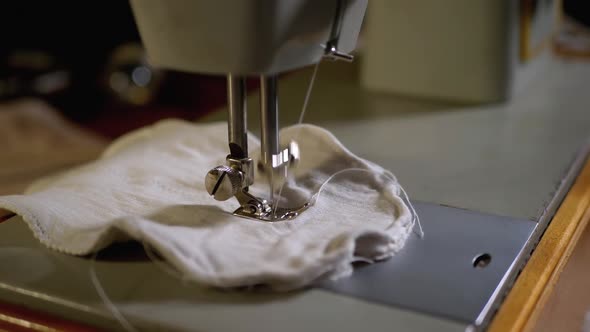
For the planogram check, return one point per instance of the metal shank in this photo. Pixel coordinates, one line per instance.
(237, 131)
(269, 122)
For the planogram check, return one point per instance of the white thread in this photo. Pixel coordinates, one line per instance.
(405, 198)
(308, 93)
(106, 300)
(296, 137)
(415, 217)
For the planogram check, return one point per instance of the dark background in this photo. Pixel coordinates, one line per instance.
(77, 39)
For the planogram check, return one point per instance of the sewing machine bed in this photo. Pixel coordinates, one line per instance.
(492, 178)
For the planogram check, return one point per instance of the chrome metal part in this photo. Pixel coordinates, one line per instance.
(254, 211)
(287, 157)
(269, 120)
(233, 179)
(269, 128)
(223, 182)
(331, 47)
(237, 131)
(333, 53)
(245, 166)
(272, 156)
(252, 206)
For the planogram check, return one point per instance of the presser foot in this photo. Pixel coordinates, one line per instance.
(280, 214)
(259, 209)
(232, 180)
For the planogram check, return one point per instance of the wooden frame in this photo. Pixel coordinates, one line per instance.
(524, 303)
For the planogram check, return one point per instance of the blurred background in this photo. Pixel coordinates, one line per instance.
(85, 59)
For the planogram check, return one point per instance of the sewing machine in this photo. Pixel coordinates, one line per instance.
(491, 190)
(260, 38)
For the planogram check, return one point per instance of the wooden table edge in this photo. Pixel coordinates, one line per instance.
(521, 308)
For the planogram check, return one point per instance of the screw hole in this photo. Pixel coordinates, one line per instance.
(482, 260)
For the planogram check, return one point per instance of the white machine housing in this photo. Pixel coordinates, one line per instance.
(243, 37)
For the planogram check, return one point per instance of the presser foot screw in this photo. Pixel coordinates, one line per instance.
(223, 182)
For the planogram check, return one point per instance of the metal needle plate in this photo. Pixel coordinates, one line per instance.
(439, 274)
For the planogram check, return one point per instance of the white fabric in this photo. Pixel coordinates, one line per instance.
(148, 186)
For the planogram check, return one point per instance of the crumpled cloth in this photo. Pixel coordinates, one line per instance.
(149, 186)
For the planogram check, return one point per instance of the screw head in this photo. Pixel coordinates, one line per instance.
(223, 182)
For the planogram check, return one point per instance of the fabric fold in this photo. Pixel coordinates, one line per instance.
(149, 186)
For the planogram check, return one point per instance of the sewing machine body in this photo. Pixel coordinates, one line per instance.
(489, 199)
(492, 195)
(249, 37)
(241, 39)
